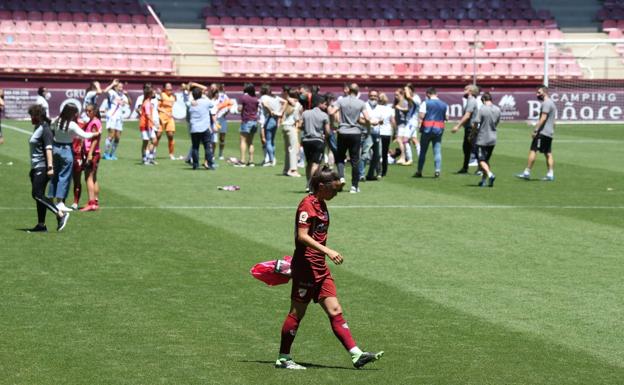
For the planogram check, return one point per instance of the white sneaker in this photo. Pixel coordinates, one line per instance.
(354, 190)
(61, 206)
(74, 206)
(221, 157)
(474, 163)
(288, 364)
(343, 181)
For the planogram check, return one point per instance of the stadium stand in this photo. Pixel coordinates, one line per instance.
(402, 39)
(611, 11)
(82, 37)
(612, 17)
(342, 13)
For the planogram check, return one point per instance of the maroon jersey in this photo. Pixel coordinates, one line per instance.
(312, 214)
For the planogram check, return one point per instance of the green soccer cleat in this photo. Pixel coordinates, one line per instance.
(288, 364)
(365, 358)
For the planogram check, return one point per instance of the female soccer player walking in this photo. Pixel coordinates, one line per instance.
(311, 278)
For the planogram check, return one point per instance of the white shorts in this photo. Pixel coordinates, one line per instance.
(403, 131)
(412, 126)
(114, 124)
(149, 134)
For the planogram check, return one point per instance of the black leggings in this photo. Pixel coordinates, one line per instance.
(353, 143)
(385, 147)
(39, 179)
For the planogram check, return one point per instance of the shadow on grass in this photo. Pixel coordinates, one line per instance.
(307, 365)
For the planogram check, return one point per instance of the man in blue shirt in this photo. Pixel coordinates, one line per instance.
(201, 123)
(433, 114)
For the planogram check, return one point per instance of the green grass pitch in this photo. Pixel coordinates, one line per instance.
(518, 284)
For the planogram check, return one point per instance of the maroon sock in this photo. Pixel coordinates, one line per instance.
(289, 330)
(342, 332)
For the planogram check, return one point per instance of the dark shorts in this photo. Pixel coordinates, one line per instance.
(93, 165)
(304, 290)
(484, 153)
(313, 151)
(542, 144)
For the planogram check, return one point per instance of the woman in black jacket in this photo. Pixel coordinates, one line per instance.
(42, 169)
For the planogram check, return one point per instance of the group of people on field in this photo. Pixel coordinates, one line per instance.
(317, 128)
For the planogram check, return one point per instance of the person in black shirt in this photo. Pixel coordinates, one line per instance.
(42, 169)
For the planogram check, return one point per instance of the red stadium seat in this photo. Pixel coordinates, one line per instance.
(340, 23)
(79, 17)
(64, 17)
(139, 19)
(19, 15)
(212, 20)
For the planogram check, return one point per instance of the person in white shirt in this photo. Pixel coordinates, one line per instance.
(413, 123)
(43, 95)
(272, 107)
(291, 124)
(91, 94)
(117, 101)
(371, 142)
(224, 106)
(65, 129)
(386, 130)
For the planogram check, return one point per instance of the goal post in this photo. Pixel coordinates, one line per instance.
(586, 79)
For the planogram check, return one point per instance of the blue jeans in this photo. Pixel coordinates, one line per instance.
(202, 138)
(436, 139)
(270, 128)
(370, 144)
(63, 161)
(365, 147)
(373, 167)
(332, 142)
(249, 127)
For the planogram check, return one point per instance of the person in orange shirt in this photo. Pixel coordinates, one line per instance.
(167, 123)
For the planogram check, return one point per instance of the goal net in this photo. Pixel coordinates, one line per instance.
(585, 79)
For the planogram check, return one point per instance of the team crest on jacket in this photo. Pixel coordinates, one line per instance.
(302, 292)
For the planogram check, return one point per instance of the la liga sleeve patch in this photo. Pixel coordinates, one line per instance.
(303, 217)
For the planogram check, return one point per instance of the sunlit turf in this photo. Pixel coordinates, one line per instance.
(517, 284)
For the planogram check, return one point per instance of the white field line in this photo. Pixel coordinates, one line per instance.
(351, 207)
(584, 141)
(21, 130)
